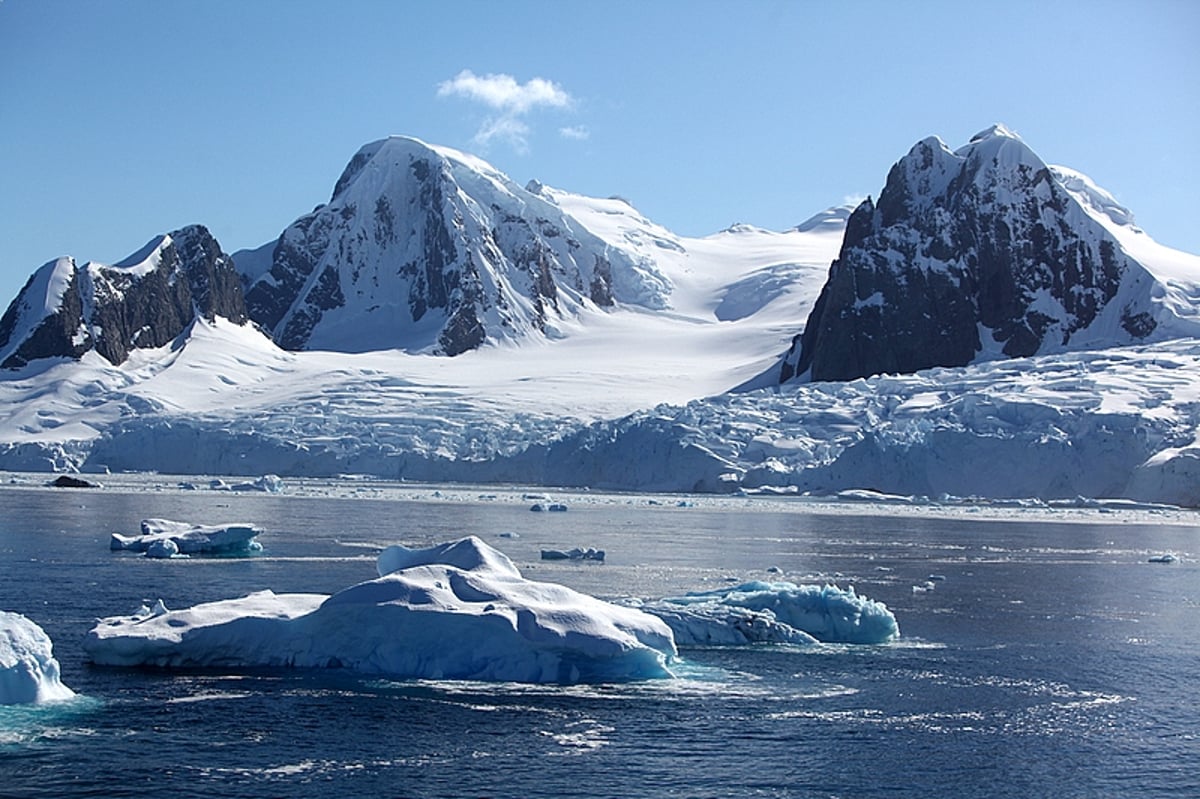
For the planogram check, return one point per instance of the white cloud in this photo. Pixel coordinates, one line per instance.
(577, 132)
(503, 93)
(510, 100)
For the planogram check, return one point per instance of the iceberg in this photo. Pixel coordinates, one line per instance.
(575, 553)
(163, 538)
(456, 611)
(775, 612)
(29, 673)
(716, 624)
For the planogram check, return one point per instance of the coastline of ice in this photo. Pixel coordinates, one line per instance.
(459, 611)
(29, 673)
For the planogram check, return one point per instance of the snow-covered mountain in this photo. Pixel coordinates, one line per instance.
(144, 301)
(427, 249)
(980, 253)
(673, 386)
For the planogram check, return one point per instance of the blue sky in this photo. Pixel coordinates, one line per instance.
(122, 120)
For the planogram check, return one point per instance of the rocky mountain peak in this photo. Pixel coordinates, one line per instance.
(427, 249)
(145, 300)
(970, 254)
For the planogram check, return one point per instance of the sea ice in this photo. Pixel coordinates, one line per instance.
(776, 612)
(459, 610)
(163, 538)
(28, 671)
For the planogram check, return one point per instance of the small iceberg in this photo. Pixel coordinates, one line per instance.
(163, 538)
(456, 611)
(268, 484)
(577, 553)
(775, 612)
(29, 674)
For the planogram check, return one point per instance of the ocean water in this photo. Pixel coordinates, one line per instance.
(1048, 658)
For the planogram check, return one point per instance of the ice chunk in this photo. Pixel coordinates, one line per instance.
(163, 548)
(716, 624)
(189, 539)
(827, 613)
(459, 610)
(28, 671)
(268, 483)
(576, 553)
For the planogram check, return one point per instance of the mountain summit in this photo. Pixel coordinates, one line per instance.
(427, 249)
(975, 254)
(146, 300)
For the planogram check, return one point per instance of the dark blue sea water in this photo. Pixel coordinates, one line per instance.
(1051, 661)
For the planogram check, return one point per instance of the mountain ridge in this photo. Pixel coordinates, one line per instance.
(631, 396)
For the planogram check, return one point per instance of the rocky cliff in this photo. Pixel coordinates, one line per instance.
(146, 300)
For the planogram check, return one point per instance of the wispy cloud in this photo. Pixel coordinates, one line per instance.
(510, 101)
(577, 132)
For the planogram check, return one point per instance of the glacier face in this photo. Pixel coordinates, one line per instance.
(974, 254)
(426, 249)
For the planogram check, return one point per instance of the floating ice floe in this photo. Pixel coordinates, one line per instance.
(268, 483)
(163, 538)
(28, 671)
(576, 553)
(460, 610)
(775, 612)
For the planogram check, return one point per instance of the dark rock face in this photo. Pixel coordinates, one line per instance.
(145, 301)
(968, 252)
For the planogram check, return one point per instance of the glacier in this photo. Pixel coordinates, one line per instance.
(1118, 422)
(29, 673)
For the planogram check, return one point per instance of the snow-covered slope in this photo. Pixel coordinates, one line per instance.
(980, 253)
(1109, 423)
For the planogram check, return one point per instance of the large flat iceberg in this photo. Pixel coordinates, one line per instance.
(28, 671)
(460, 610)
(165, 538)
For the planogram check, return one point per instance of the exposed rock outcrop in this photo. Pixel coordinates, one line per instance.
(970, 255)
(147, 300)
